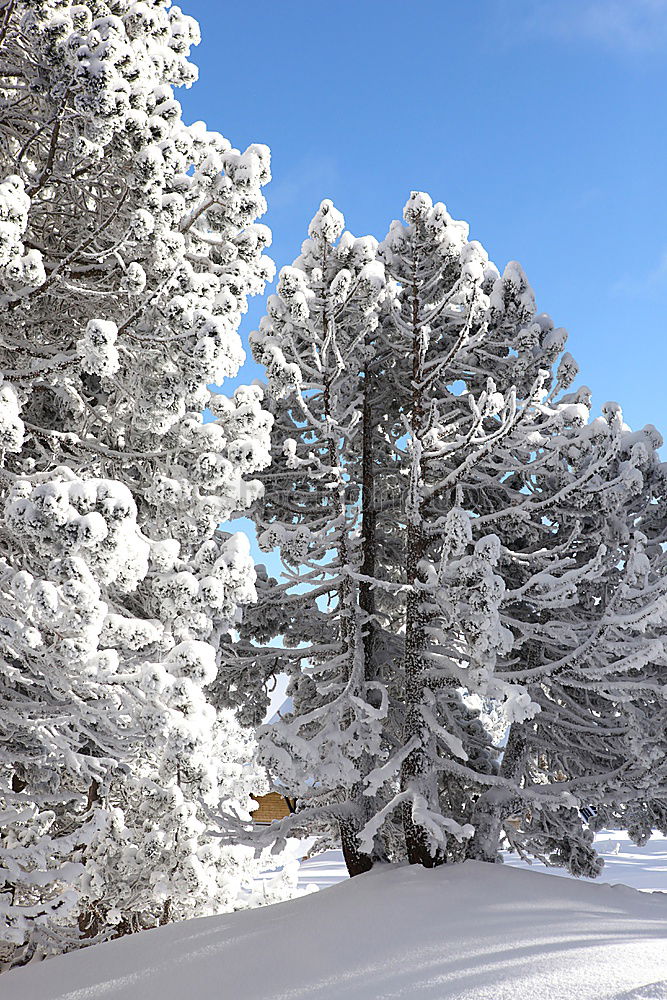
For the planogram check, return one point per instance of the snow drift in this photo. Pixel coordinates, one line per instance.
(475, 931)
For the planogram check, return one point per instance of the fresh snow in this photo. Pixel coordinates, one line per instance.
(462, 932)
(642, 868)
(639, 867)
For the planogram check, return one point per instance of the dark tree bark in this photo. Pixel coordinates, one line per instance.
(414, 772)
(495, 804)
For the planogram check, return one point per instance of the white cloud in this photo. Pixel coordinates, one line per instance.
(626, 25)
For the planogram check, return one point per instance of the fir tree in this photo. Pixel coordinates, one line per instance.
(317, 344)
(128, 247)
(592, 663)
(512, 508)
(506, 515)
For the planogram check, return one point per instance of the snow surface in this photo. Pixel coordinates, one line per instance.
(639, 867)
(462, 932)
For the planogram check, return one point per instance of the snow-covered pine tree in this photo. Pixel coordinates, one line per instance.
(318, 509)
(507, 515)
(592, 663)
(510, 501)
(645, 811)
(128, 246)
(336, 375)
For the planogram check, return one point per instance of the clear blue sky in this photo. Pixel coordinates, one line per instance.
(540, 122)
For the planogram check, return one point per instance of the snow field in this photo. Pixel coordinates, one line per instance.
(462, 932)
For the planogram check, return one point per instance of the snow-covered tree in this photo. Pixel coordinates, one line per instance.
(317, 343)
(128, 247)
(515, 505)
(592, 661)
(506, 518)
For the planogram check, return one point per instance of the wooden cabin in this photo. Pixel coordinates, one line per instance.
(272, 806)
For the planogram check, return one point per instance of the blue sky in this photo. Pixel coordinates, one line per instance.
(540, 122)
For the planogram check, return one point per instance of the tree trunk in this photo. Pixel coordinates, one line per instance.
(356, 860)
(415, 774)
(368, 525)
(89, 919)
(488, 815)
(496, 804)
(415, 770)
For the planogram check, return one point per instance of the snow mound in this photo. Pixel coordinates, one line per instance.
(462, 932)
(642, 867)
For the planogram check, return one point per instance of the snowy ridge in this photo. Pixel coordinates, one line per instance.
(462, 932)
(642, 868)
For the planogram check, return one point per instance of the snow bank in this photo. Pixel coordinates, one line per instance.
(473, 931)
(642, 867)
(638, 867)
